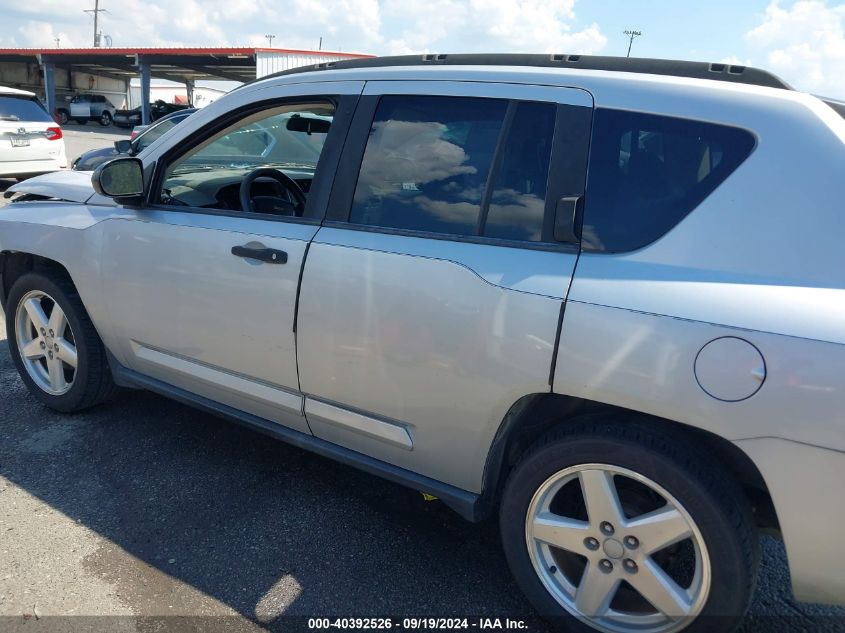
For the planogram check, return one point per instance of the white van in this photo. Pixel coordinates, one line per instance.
(30, 141)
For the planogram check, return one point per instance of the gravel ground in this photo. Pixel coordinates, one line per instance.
(147, 509)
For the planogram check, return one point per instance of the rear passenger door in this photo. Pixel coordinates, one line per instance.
(431, 298)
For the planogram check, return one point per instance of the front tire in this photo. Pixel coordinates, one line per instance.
(54, 345)
(105, 119)
(612, 526)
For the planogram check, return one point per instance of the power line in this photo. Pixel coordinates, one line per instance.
(631, 35)
(96, 11)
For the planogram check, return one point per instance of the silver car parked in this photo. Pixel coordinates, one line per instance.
(87, 107)
(603, 297)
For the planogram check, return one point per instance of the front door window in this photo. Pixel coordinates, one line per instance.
(284, 143)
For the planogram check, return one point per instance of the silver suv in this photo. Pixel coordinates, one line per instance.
(87, 107)
(601, 297)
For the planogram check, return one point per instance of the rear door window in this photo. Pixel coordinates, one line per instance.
(457, 165)
(426, 163)
(518, 197)
(14, 108)
(647, 172)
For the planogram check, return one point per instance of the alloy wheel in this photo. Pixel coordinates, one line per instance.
(617, 550)
(46, 343)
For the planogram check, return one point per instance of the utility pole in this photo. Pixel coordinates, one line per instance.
(58, 42)
(631, 35)
(320, 45)
(96, 11)
(270, 39)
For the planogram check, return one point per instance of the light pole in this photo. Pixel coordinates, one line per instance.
(631, 35)
(270, 39)
(96, 11)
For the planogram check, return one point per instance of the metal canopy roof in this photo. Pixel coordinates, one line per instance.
(176, 64)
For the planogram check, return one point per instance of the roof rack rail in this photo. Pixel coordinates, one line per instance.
(731, 73)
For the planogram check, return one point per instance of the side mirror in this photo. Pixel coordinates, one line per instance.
(123, 146)
(121, 178)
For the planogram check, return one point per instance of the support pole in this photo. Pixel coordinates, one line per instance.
(49, 71)
(144, 68)
(189, 87)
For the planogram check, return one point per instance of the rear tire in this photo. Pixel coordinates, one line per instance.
(82, 378)
(63, 116)
(602, 564)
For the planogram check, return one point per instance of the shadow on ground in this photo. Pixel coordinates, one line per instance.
(259, 526)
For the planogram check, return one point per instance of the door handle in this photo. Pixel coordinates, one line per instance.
(269, 255)
(566, 220)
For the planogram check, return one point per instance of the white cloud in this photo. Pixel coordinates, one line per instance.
(44, 30)
(733, 60)
(805, 44)
(535, 26)
(373, 26)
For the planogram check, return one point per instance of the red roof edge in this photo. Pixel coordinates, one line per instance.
(226, 50)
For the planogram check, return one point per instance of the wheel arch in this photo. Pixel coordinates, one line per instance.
(534, 415)
(14, 264)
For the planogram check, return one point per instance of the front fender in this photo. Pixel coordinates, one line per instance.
(68, 234)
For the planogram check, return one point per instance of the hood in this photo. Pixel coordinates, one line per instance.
(71, 186)
(91, 159)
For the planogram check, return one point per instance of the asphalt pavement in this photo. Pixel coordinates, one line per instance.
(143, 509)
(82, 138)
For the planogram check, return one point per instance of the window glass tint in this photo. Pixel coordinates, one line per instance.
(426, 163)
(22, 109)
(517, 203)
(648, 172)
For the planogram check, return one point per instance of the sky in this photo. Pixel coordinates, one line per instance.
(802, 41)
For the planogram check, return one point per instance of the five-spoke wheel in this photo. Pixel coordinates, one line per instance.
(614, 546)
(57, 350)
(618, 527)
(45, 342)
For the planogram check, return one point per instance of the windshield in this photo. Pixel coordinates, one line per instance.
(22, 108)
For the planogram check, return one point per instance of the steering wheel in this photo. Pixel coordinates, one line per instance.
(272, 204)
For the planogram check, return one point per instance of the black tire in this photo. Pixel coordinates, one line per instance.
(704, 488)
(64, 117)
(93, 382)
(105, 119)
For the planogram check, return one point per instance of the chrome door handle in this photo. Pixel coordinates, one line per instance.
(269, 255)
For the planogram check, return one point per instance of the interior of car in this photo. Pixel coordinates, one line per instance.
(263, 163)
